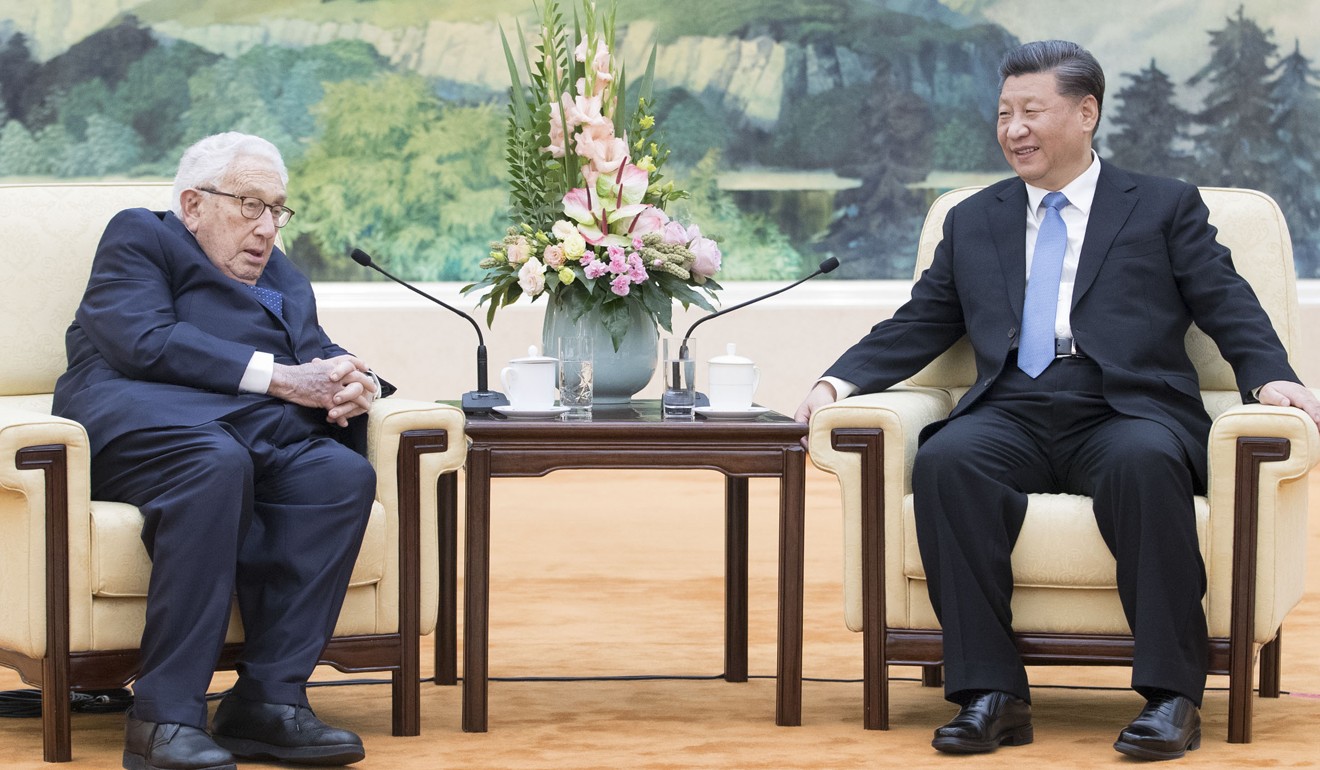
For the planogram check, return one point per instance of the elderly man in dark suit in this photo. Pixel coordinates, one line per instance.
(1075, 282)
(215, 403)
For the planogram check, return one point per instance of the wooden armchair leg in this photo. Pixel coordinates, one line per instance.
(932, 676)
(1271, 659)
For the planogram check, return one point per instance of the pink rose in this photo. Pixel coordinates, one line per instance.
(708, 256)
(519, 251)
(532, 277)
(674, 232)
(621, 285)
(554, 256)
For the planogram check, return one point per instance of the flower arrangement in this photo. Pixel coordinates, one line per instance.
(587, 194)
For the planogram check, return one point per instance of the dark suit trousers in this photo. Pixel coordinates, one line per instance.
(263, 504)
(1057, 434)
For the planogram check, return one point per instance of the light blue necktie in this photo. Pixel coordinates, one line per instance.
(272, 299)
(1036, 346)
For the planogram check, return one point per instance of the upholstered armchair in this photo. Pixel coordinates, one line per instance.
(74, 572)
(1252, 522)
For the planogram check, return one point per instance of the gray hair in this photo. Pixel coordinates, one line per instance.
(1075, 70)
(206, 163)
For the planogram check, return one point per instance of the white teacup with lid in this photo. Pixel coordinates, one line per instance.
(731, 381)
(529, 382)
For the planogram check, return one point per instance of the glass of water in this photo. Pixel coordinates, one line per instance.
(679, 361)
(576, 363)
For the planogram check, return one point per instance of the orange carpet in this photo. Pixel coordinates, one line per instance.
(613, 574)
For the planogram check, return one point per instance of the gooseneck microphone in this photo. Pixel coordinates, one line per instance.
(479, 401)
(826, 266)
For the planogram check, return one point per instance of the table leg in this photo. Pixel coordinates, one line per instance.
(476, 591)
(735, 579)
(446, 630)
(792, 524)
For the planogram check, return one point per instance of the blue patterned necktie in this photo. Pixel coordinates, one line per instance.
(273, 300)
(1036, 347)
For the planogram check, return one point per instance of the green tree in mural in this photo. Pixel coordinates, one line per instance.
(269, 90)
(1296, 122)
(17, 69)
(417, 184)
(19, 154)
(153, 96)
(1237, 144)
(1152, 128)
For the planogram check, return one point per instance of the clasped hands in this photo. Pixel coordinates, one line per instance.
(341, 385)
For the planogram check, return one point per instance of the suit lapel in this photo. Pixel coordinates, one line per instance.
(1008, 230)
(1115, 197)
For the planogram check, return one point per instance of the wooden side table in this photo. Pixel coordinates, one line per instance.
(629, 436)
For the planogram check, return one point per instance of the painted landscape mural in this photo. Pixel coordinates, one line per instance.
(801, 128)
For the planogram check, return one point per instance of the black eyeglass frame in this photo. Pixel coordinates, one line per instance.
(279, 214)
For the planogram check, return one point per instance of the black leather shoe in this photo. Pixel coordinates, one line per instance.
(151, 746)
(1167, 728)
(285, 733)
(987, 721)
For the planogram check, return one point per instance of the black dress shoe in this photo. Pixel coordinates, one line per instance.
(1167, 728)
(151, 746)
(986, 722)
(284, 733)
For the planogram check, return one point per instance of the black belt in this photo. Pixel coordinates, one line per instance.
(1066, 347)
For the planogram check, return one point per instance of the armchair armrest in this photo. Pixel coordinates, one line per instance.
(44, 462)
(901, 413)
(871, 492)
(1260, 458)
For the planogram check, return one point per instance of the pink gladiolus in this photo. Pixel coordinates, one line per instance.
(556, 148)
(605, 156)
(636, 270)
(621, 285)
(618, 262)
(708, 256)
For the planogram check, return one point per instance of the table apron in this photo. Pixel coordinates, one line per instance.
(538, 460)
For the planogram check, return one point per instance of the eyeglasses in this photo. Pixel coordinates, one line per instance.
(252, 208)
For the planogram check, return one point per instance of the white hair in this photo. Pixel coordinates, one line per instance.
(206, 163)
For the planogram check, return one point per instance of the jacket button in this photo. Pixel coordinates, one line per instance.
(1012, 332)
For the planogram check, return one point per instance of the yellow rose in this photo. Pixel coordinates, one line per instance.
(574, 246)
(566, 275)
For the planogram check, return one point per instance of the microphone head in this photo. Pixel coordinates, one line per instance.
(362, 258)
(829, 264)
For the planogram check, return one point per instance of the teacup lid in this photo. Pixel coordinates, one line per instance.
(731, 357)
(533, 358)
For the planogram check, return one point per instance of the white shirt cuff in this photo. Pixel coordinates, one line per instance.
(260, 371)
(842, 388)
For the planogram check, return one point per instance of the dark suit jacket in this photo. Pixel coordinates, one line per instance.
(1149, 267)
(162, 337)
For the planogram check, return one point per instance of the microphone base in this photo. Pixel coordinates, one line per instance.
(482, 401)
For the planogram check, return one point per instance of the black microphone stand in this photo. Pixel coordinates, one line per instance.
(479, 401)
(826, 266)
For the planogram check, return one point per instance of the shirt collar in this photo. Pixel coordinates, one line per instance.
(1079, 192)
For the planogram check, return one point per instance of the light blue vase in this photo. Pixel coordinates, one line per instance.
(619, 375)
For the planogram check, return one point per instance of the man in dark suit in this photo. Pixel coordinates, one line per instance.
(1083, 386)
(215, 403)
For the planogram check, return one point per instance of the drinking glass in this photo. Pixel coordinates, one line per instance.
(576, 364)
(679, 361)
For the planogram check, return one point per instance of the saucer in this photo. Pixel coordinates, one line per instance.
(711, 413)
(530, 414)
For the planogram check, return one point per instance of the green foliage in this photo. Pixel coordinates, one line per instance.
(965, 142)
(1296, 96)
(19, 154)
(394, 171)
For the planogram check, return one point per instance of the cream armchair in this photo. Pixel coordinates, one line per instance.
(1252, 522)
(74, 572)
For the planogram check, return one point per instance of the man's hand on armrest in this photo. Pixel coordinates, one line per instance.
(1285, 393)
